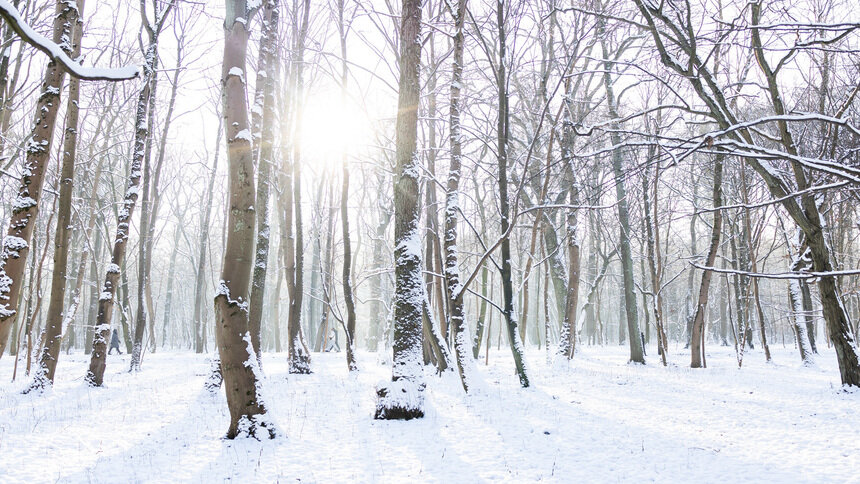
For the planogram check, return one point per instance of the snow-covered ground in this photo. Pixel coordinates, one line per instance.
(597, 420)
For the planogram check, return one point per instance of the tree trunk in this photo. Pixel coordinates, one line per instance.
(344, 212)
(54, 322)
(238, 364)
(402, 398)
(636, 351)
(299, 356)
(268, 65)
(456, 312)
(143, 255)
(795, 297)
(95, 374)
(652, 235)
(697, 346)
(25, 207)
(504, 204)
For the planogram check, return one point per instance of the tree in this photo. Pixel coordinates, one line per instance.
(736, 136)
(95, 374)
(403, 397)
(348, 297)
(299, 356)
(55, 321)
(456, 312)
(697, 341)
(266, 77)
(637, 353)
(25, 207)
(238, 362)
(149, 202)
(503, 131)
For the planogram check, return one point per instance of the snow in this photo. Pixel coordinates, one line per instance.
(238, 72)
(245, 134)
(14, 243)
(597, 419)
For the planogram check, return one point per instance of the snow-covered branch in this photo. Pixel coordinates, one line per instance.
(13, 18)
(778, 275)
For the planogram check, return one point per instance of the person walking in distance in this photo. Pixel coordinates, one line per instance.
(114, 342)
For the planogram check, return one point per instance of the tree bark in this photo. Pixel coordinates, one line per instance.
(54, 323)
(299, 356)
(25, 207)
(697, 347)
(402, 398)
(456, 312)
(636, 351)
(268, 65)
(344, 211)
(95, 374)
(504, 204)
(238, 364)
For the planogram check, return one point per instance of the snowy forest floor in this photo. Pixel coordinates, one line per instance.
(596, 420)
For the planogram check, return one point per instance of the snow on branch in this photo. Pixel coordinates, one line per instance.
(13, 19)
(778, 275)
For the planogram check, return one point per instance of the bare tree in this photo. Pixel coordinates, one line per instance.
(403, 397)
(238, 362)
(266, 78)
(25, 207)
(55, 321)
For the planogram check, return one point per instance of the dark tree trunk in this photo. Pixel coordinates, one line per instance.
(268, 65)
(697, 341)
(402, 398)
(54, 322)
(25, 207)
(637, 353)
(299, 356)
(504, 204)
(344, 213)
(95, 374)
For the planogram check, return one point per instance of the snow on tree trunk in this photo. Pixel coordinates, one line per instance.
(795, 295)
(25, 206)
(266, 75)
(238, 363)
(54, 322)
(299, 356)
(95, 374)
(403, 397)
(456, 312)
(506, 271)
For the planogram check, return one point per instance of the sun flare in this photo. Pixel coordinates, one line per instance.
(333, 128)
